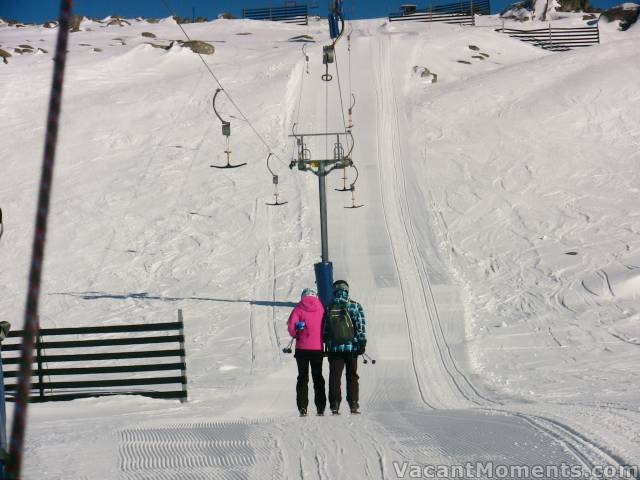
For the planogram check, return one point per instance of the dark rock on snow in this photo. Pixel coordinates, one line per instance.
(626, 13)
(198, 46)
(74, 23)
(4, 55)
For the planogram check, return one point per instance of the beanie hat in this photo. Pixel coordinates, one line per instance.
(309, 292)
(340, 285)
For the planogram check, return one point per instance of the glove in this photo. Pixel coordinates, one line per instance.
(362, 348)
(300, 326)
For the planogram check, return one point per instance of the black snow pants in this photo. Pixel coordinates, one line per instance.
(337, 363)
(304, 359)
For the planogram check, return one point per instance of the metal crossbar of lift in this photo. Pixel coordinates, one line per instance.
(323, 166)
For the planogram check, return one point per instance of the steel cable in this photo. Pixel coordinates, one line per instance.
(344, 121)
(244, 117)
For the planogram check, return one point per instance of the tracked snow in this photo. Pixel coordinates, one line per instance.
(495, 257)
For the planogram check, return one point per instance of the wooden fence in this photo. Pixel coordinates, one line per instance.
(298, 14)
(460, 13)
(94, 366)
(555, 38)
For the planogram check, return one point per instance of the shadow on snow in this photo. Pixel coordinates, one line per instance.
(146, 296)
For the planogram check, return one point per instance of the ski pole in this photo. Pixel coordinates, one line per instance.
(368, 358)
(287, 349)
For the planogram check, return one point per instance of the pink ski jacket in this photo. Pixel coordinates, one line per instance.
(310, 311)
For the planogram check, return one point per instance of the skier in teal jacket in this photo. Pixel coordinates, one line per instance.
(344, 353)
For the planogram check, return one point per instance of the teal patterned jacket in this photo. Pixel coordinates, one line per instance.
(359, 323)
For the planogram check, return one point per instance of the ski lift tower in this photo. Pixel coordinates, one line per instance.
(322, 167)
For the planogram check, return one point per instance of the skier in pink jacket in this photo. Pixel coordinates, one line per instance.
(305, 325)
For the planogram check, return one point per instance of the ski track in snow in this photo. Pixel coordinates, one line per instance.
(169, 228)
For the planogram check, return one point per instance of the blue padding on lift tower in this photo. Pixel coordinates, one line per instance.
(334, 28)
(324, 281)
(335, 15)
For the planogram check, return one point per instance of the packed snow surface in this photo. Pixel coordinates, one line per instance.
(497, 254)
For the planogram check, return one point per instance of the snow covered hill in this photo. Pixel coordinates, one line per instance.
(496, 256)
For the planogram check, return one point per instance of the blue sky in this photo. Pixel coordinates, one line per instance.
(42, 10)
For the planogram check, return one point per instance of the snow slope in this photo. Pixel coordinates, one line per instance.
(476, 188)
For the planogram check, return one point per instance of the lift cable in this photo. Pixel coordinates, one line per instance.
(326, 119)
(302, 85)
(329, 56)
(349, 50)
(244, 117)
(351, 95)
(299, 106)
(274, 177)
(346, 126)
(344, 122)
(339, 159)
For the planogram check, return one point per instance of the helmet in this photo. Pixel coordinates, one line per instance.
(340, 285)
(309, 292)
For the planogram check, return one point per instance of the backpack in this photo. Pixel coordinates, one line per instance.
(340, 325)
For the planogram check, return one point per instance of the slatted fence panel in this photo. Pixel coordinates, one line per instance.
(460, 13)
(433, 17)
(479, 7)
(298, 14)
(555, 38)
(76, 364)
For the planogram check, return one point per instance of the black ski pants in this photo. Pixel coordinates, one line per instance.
(304, 359)
(337, 363)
